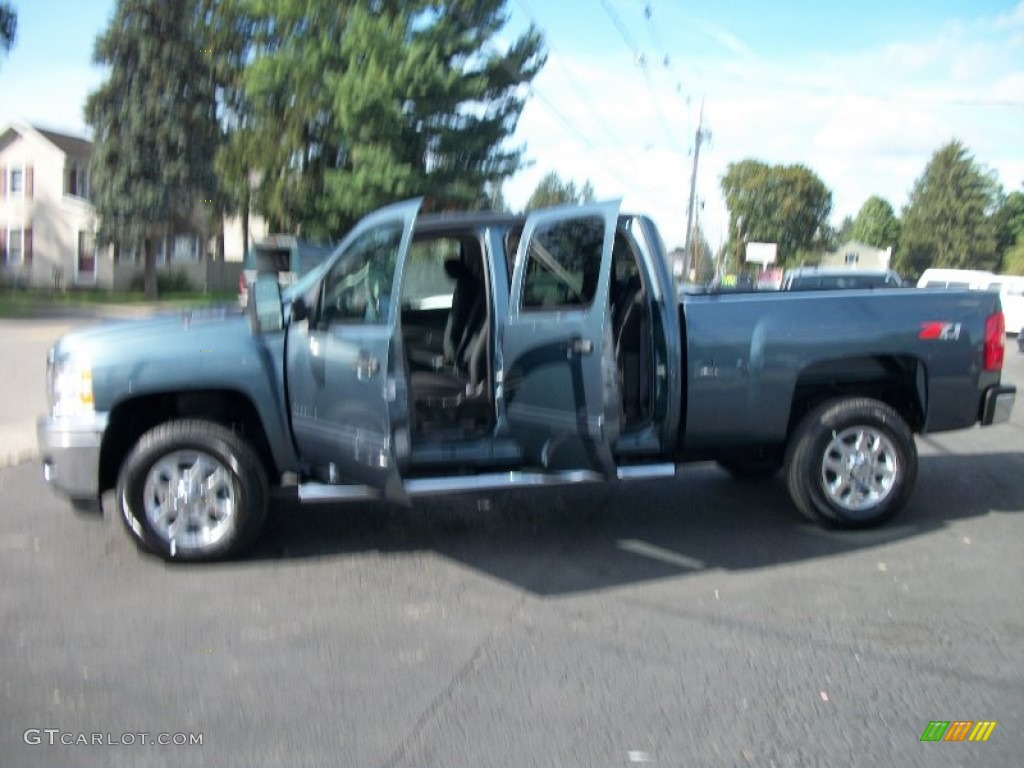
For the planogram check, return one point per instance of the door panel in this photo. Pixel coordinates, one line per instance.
(347, 382)
(561, 387)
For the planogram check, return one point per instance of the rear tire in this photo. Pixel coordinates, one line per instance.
(851, 463)
(192, 490)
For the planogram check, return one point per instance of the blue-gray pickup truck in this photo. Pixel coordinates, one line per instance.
(444, 353)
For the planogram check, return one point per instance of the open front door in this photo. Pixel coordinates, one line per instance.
(560, 383)
(347, 385)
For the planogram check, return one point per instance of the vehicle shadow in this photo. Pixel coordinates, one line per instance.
(559, 541)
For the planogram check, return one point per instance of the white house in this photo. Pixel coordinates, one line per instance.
(857, 255)
(48, 225)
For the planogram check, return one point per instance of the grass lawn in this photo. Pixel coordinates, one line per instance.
(29, 302)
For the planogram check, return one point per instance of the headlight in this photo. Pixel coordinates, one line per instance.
(69, 386)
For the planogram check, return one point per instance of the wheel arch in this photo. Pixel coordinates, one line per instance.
(899, 381)
(132, 418)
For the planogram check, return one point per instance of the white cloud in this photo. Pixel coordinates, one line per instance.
(1012, 20)
(866, 122)
(51, 97)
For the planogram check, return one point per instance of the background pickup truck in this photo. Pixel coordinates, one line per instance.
(478, 351)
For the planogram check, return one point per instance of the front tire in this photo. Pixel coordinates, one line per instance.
(851, 463)
(192, 490)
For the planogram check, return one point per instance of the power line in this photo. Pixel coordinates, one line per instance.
(570, 126)
(641, 60)
(577, 88)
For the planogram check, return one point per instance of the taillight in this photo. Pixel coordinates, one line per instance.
(995, 330)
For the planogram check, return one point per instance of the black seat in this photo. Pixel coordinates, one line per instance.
(439, 394)
(466, 314)
(630, 334)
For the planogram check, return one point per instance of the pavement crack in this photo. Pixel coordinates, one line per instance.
(445, 696)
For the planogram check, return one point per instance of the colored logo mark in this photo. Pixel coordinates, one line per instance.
(959, 730)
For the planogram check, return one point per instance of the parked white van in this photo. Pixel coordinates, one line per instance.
(1011, 295)
(974, 279)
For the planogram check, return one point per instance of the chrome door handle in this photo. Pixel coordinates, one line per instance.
(366, 367)
(579, 347)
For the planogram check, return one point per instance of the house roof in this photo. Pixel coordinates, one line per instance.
(69, 145)
(855, 245)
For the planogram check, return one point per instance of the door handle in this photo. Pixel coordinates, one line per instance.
(580, 347)
(366, 367)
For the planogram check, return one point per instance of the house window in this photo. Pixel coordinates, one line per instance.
(76, 182)
(86, 254)
(15, 247)
(16, 186)
(852, 257)
(126, 255)
(184, 249)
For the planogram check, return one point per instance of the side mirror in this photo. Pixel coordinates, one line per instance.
(300, 310)
(265, 310)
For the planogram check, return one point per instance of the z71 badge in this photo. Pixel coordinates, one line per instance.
(936, 329)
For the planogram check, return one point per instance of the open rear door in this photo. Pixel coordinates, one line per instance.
(560, 383)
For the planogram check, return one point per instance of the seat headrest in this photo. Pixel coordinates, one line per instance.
(455, 269)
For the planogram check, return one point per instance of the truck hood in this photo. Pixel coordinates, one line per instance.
(189, 350)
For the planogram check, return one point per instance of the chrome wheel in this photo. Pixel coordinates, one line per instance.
(859, 468)
(189, 499)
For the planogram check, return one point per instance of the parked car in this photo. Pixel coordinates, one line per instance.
(972, 279)
(560, 353)
(838, 279)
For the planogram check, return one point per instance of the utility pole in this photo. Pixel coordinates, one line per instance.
(700, 136)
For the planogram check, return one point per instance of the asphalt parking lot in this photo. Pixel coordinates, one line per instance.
(696, 622)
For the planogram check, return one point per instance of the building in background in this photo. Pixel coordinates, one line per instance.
(48, 226)
(857, 255)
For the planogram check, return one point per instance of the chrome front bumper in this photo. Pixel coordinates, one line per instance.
(70, 452)
(998, 405)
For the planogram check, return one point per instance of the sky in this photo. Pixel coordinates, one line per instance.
(861, 93)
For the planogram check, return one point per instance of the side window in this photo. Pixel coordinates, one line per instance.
(426, 285)
(563, 264)
(357, 289)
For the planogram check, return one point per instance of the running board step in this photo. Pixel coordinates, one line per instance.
(322, 492)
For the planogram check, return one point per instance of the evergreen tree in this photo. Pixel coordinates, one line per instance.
(228, 32)
(551, 190)
(155, 127)
(948, 220)
(8, 26)
(1009, 224)
(876, 224)
(354, 104)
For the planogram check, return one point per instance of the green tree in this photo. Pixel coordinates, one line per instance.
(876, 224)
(552, 190)
(1009, 223)
(228, 34)
(703, 257)
(786, 205)
(494, 199)
(1013, 259)
(843, 234)
(8, 26)
(351, 105)
(948, 220)
(155, 127)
